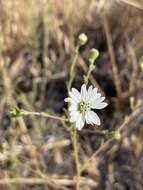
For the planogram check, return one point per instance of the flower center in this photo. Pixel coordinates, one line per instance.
(84, 107)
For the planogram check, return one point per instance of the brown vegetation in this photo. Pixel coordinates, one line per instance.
(37, 41)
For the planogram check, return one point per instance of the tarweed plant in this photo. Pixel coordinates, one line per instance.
(81, 106)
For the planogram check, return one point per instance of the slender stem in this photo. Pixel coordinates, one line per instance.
(75, 144)
(43, 114)
(73, 132)
(72, 69)
(91, 78)
(88, 74)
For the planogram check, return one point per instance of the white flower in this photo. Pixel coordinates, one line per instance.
(81, 105)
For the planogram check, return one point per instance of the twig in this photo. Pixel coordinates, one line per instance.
(48, 180)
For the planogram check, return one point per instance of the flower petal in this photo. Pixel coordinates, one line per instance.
(71, 101)
(97, 101)
(94, 92)
(73, 97)
(73, 107)
(97, 95)
(101, 99)
(89, 93)
(80, 122)
(76, 94)
(99, 105)
(94, 96)
(68, 99)
(92, 118)
(74, 116)
(83, 92)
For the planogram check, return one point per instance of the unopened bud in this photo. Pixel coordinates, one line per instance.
(82, 39)
(93, 54)
(115, 134)
(16, 112)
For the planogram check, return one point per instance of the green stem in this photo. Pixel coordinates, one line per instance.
(44, 114)
(75, 145)
(72, 69)
(73, 132)
(16, 112)
(88, 74)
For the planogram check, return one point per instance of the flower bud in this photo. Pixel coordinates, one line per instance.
(93, 54)
(82, 39)
(115, 134)
(16, 112)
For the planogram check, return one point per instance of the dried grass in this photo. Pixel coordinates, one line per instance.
(37, 40)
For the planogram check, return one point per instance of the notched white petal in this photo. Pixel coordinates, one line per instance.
(94, 96)
(89, 93)
(80, 122)
(73, 97)
(99, 105)
(101, 99)
(88, 119)
(83, 92)
(92, 118)
(76, 94)
(95, 102)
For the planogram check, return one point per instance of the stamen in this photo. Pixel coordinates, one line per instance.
(84, 107)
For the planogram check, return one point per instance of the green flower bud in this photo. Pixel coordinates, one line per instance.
(82, 39)
(93, 54)
(115, 134)
(16, 112)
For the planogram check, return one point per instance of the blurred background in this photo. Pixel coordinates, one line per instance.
(37, 43)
